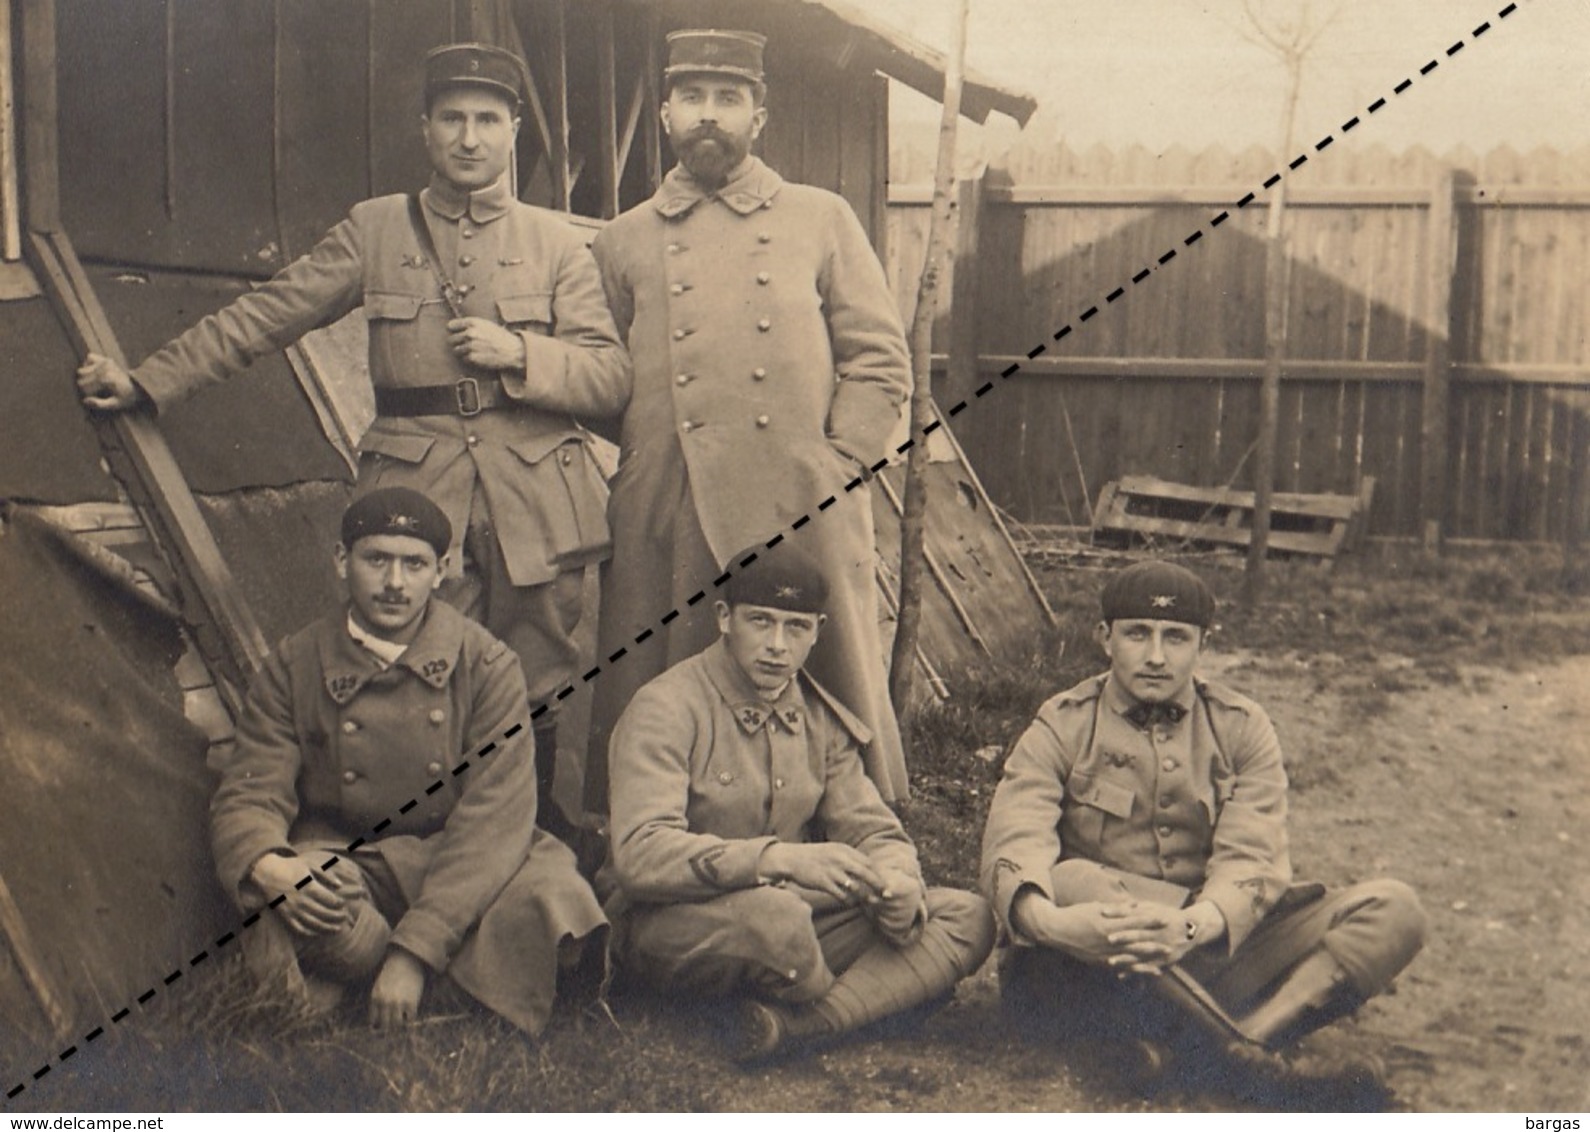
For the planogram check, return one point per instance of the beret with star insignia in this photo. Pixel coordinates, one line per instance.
(785, 578)
(396, 511)
(1158, 591)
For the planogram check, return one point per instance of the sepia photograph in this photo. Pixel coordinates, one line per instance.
(784, 556)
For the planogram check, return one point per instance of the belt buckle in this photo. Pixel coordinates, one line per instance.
(467, 394)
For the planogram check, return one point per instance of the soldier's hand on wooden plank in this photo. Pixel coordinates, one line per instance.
(105, 385)
(395, 997)
(839, 870)
(311, 904)
(483, 343)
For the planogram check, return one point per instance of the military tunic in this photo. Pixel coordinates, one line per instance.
(330, 745)
(706, 775)
(1093, 806)
(770, 366)
(528, 464)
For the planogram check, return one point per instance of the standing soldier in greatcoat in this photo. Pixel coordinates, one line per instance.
(488, 337)
(770, 366)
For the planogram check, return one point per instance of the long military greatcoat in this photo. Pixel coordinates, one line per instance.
(331, 746)
(769, 367)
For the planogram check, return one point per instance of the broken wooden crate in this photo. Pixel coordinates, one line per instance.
(1146, 508)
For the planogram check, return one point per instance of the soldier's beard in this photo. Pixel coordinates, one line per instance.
(709, 154)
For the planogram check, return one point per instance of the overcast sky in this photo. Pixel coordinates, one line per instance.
(1158, 72)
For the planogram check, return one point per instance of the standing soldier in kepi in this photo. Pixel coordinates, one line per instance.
(488, 336)
(770, 366)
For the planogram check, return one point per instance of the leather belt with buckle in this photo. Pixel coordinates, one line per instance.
(466, 398)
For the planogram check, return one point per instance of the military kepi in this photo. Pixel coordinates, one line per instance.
(785, 578)
(396, 511)
(474, 65)
(1158, 591)
(708, 51)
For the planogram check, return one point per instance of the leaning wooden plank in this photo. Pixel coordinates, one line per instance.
(951, 597)
(224, 626)
(28, 960)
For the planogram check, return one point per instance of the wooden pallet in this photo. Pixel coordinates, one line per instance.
(1319, 526)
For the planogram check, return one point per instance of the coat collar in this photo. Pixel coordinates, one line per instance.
(1120, 701)
(745, 703)
(482, 205)
(347, 666)
(749, 188)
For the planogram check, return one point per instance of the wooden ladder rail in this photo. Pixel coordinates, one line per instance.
(223, 626)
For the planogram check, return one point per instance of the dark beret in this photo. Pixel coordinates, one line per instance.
(396, 511)
(1158, 591)
(708, 51)
(786, 578)
(474, 65)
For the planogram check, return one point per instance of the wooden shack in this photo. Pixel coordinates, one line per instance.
(158, 157)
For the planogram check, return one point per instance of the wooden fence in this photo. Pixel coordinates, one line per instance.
(1437, 338)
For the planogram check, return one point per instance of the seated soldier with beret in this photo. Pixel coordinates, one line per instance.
(753, 855)
(1140, 830)
(382, 793)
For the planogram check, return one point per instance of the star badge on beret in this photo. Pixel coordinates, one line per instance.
(403, 522)
(789, 593)
(1162, 601)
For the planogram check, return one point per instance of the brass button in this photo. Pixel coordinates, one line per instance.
(761, 421)
(467, 233)
(433, 768)
(1165, 831)
(758, 374)
(682, 379)
(349, 727)
(764, 238)
(437, 715)
(778, 784)
(1168, 764)
(725, 777)
(763, 278)
(675, 249)
(764, 324)
(1166, 801)
(688, 426)
(677, 289)
(680, 333)
(472, 440)
(567, 459)
(350, 776)
(465, 260)
(466, 288)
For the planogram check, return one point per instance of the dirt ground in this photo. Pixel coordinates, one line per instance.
(1436, 729)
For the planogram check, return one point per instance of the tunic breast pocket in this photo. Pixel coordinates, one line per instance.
(531, 311)
(406, 331)
(1095, 801)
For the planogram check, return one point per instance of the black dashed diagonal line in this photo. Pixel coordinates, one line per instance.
(226, 939)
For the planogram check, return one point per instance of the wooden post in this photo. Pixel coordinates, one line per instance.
(1440, 264)
(609, 171)
(558, 157)
(1578, 478)
(40, 141)
(913, 523)
(10, 190)
(1277, 283)
(651, 109)
(960, 376)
